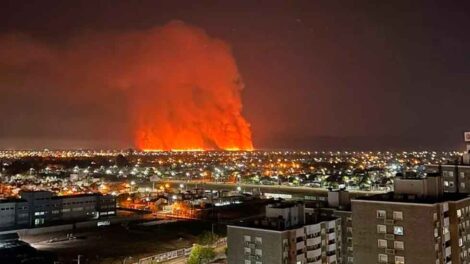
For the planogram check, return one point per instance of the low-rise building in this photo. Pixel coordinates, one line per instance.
(38, 208)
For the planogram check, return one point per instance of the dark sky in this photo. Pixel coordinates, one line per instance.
(363, 75)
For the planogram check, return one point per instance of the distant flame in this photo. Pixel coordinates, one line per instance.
(188, 89)
(182, 87)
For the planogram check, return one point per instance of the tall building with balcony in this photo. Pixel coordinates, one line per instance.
(288, 234)
(339, 206)
(417, 223)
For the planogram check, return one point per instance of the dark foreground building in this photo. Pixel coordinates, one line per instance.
(41, 208)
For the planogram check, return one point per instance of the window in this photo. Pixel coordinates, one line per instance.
(381, 214)
(398, 245)
(247, 250)
(247, 261)
(459, 213)
(383, 258)
(247, 238)
(381, 229)
(398, 230)
(38, 221)
(258, 252)
(398, 215)
(382, 243)
(446, 183)
(259, 240)
(399, 260)
(462, 184)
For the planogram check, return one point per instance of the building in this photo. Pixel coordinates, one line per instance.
(289, 233)
(456, 174)
(339, 206)
(13, 212)
(39, 208)
(417, 223)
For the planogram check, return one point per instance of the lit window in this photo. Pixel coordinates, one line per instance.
(398, 230)
(382, 243)
(398, 215)
(247, 238)
(247, 250)
(381, 214)
(381, 229)
(399, 260)
(383, 258)
(459, 213)
(259, 240)
(446, 183)
(258, 252)
(398, 245)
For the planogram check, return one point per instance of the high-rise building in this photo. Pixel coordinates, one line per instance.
(456, 174)
(289, 233)
(417, 223)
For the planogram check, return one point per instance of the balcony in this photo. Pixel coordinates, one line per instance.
(331, 259)
(331, 236)
(314, 253)
(448, 252)
(332, 247)
(313, 241)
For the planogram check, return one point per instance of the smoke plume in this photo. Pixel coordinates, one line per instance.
(181, 87)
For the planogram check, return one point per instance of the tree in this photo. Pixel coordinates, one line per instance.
(207, 238)
(201, 254)
(121, 161)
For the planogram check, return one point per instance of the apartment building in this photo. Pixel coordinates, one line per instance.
(339, 206)
(456, 174)
(417, 223)
(286, 235)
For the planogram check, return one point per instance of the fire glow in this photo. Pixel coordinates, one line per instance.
(189, 95)
(182, 88)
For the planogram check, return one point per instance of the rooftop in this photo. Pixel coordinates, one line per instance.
(410, 198)
(11, 200)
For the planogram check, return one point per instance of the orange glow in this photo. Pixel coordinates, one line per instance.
(188, 92)
(181, 88)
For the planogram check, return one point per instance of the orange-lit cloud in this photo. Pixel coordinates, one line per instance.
(182, 87)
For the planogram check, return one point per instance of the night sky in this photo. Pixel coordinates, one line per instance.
(339, 75)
